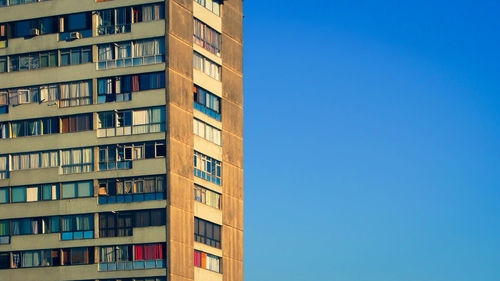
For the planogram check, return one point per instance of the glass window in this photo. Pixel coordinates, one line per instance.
(4, 195)
(85, 189)
(18, 194)
(77, 22)
(68, 190)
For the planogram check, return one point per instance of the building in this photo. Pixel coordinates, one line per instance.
(103, 107)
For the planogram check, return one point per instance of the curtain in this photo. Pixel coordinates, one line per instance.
(158, 251)
(105, 52)
(34, 226)
(197, 259)
(147, 13)
(139, 252)
(67, 224)
(4, 228)
(107, 254)
(32, 194)
(34, 160)
(27, 259)
(53, 93)
(124, 50)
(135, 83)
(148, 252)
(54, 159)
(45, 160)
(140, 117)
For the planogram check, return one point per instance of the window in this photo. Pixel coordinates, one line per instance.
(77, 189)
(207, 102)
(4, 168)
(131, 53)
(33, 61)
(77, 22)
(76, 56)
(76, 94)
(4, 130)
(207, 197)
(75, 256)
(128, 257)
(115, 225)
(41, 225)
(4, 260)
(148, 252)
(138, 121)
(4, 232)
(27, 27)
(77, 161)
(212, 5)
(114, 21)
(207, 261)
(77, 227)
(206, 66)
(30, 95)
(35, 160)
(148, 13)
(207, 233)
(38, 127)
(76, 123)
(25, 194)
(207, 168)
(113, 157)
(3, 64)
(131, 189)
(4, 195)
(206, 37)
(207, 131)
(119, 88)
(113, 254)
(121, 223)
(38, 258)
(50, 192)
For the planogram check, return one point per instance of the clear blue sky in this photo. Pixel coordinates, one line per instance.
(372, 148)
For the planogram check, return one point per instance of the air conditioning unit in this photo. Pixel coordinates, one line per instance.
(75, 35)
(34, 32)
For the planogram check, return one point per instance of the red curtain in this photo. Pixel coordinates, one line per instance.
(139, 253)
(135, 83)
(158, 252)
(197, 259)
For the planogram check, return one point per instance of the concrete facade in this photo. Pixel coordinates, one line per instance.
(70, 173)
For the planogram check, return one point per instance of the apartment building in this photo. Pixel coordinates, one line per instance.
(121, 140)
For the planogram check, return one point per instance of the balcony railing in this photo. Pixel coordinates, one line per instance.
(113, 29)
(207, 111)
(4, 239)
(131, 130)
(128, 198)
(127, 62)
(77, 235)
(131, 265)
(66, 36)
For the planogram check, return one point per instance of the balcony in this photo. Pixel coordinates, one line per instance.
(129, 198)
(113, 29)
(132, 265)
(128, 62)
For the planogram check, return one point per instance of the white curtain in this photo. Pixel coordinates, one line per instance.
(45, 159)
(105, 52)
(34, 160)
(32, 194)
(140, 117)
(147, 13)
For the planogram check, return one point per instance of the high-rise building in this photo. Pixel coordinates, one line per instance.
(121, 140)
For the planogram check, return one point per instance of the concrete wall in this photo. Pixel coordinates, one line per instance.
(232, 136)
